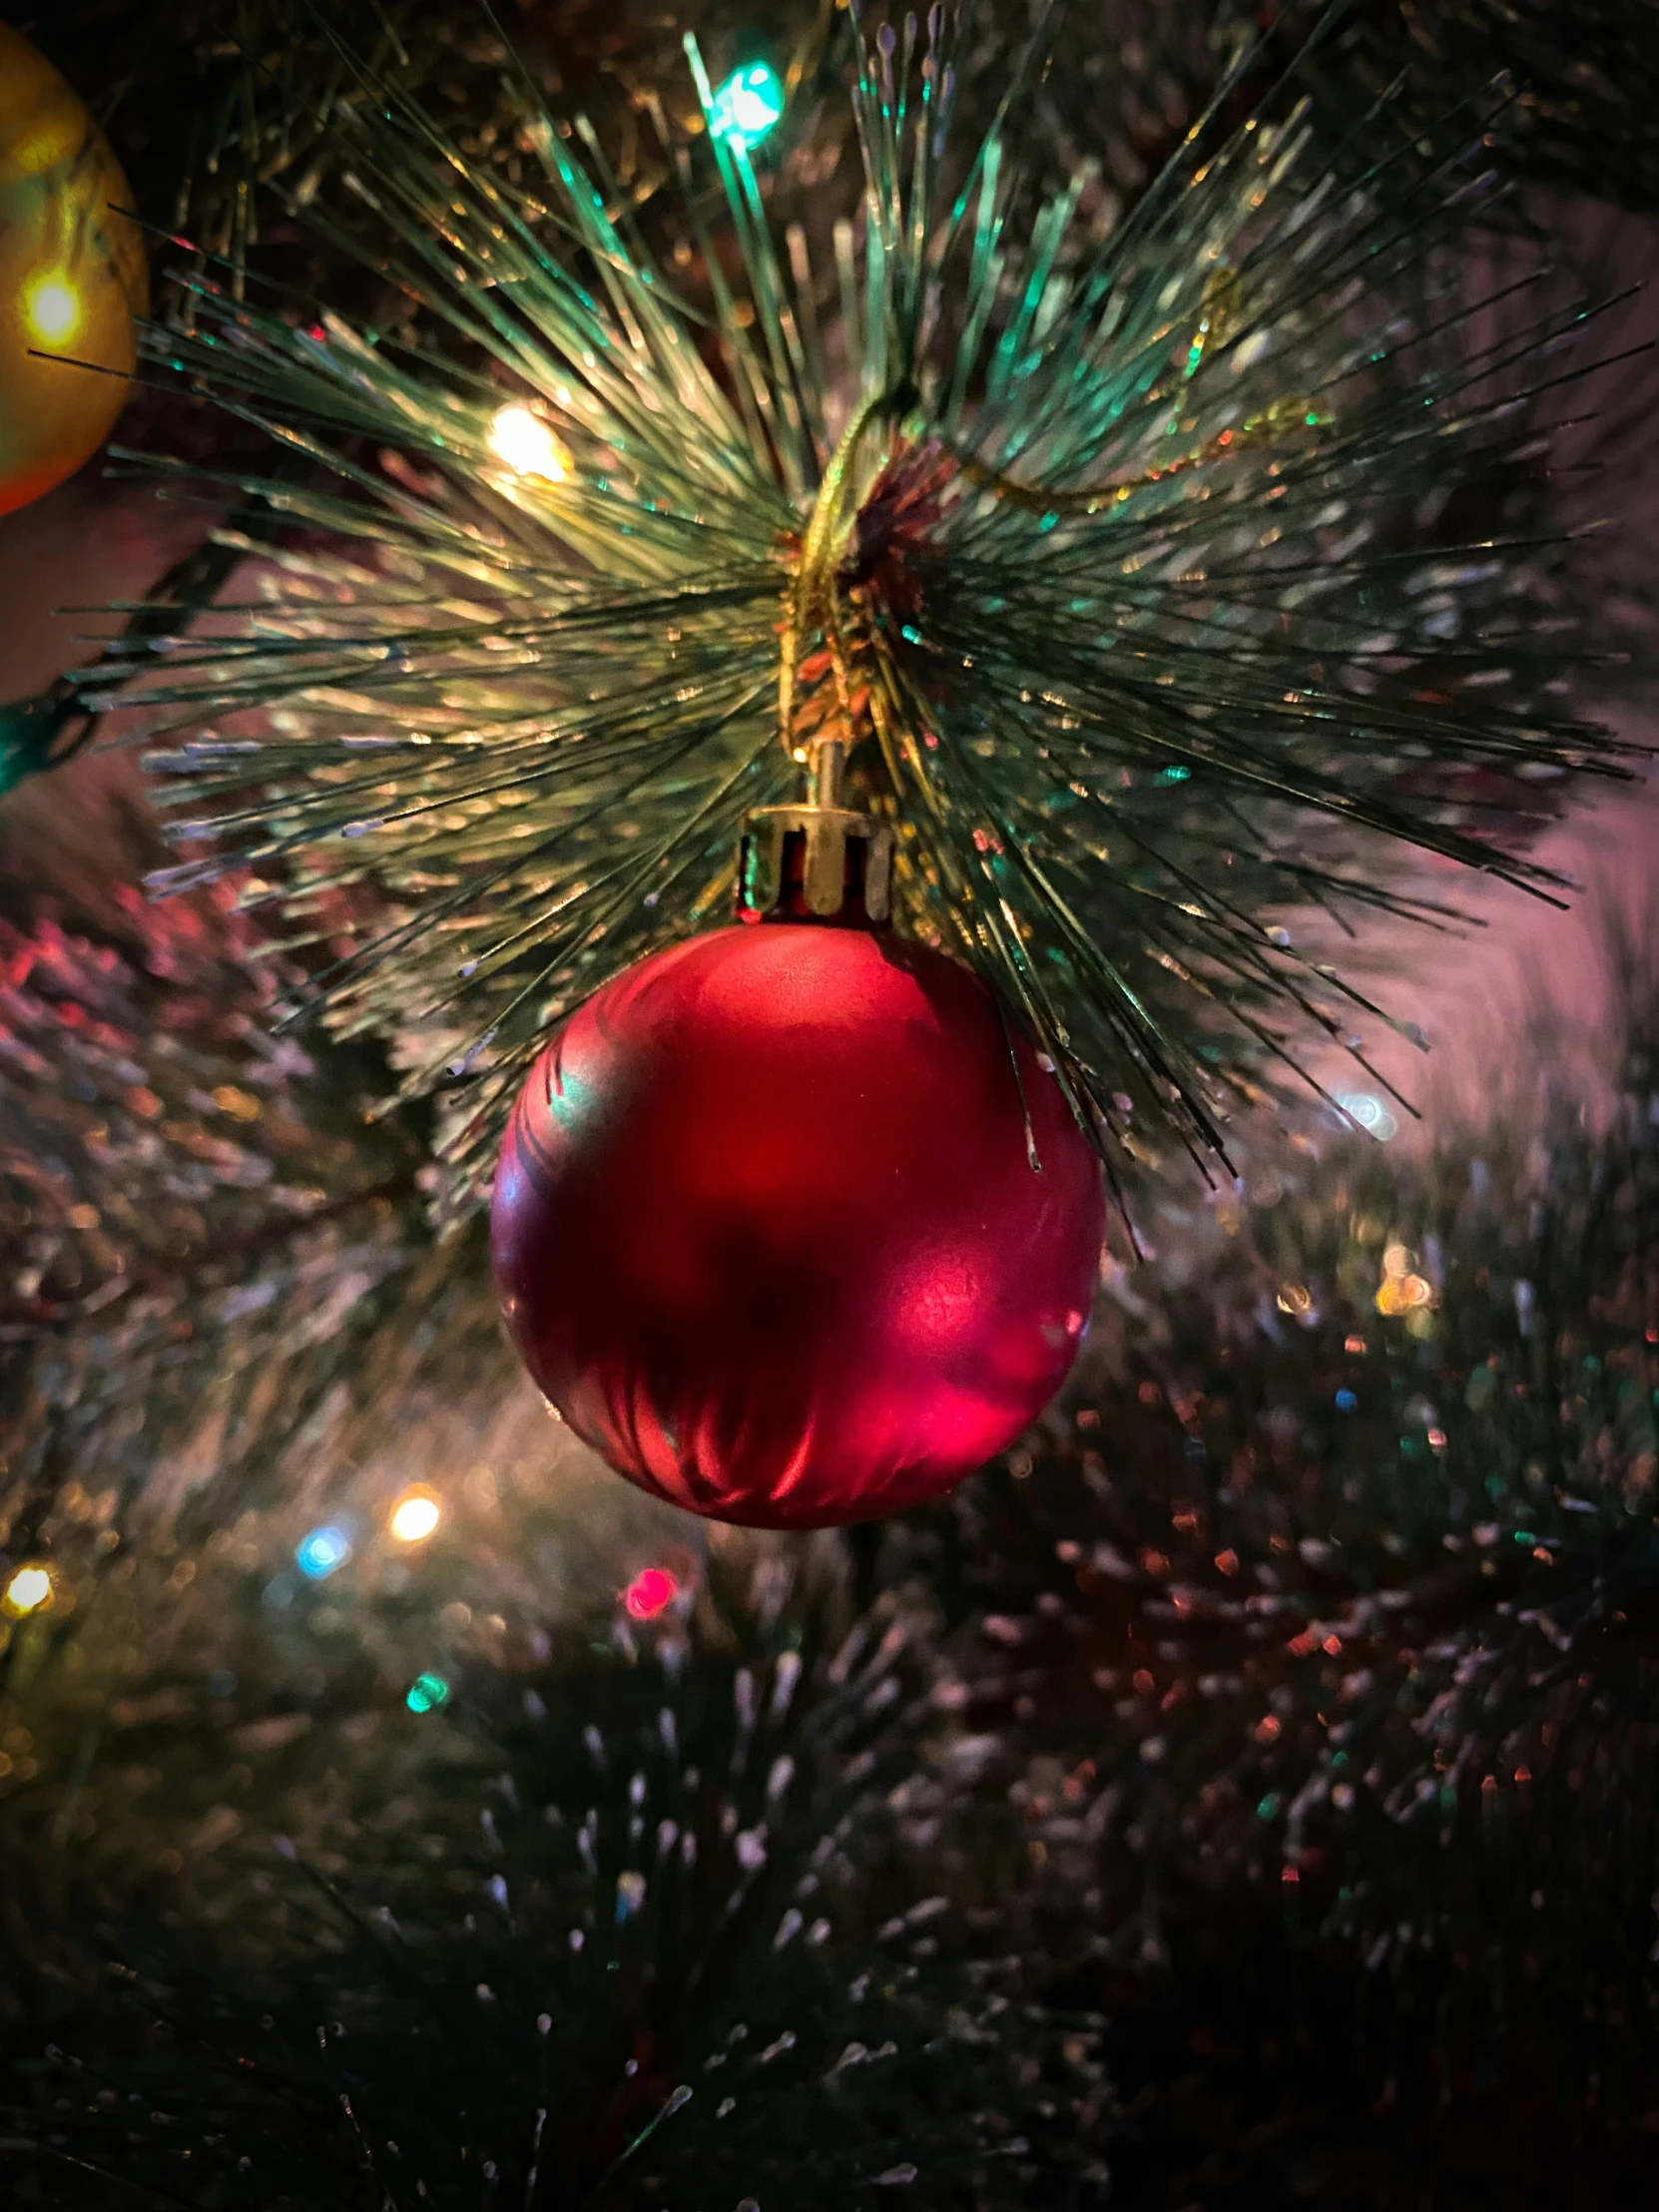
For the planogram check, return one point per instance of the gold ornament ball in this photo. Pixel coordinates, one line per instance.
(72, 278)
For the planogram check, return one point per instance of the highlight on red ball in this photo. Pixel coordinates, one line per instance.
(652, 1591)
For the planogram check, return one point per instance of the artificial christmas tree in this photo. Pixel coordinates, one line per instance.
(1156, 474)
(1182, 1809)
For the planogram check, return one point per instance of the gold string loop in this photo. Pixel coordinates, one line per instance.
(811, 603)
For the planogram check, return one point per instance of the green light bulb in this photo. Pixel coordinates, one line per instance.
(747, 106)
(427, 1693)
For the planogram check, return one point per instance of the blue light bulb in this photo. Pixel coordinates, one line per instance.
(747, 106)
(321, 1551)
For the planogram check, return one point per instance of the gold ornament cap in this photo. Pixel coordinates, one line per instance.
(815, 862)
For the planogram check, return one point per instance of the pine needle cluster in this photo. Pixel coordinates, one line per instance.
(1126, 606)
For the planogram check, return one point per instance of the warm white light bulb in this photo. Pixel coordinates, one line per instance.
(414, 1517)
(27, 1590)
(527, 445)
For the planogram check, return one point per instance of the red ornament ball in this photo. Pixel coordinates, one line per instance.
(766, 1234)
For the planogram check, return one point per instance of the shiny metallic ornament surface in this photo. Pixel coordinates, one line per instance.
(768, 1230)
(72, 278)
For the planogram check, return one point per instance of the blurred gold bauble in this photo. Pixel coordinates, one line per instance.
(72, 278)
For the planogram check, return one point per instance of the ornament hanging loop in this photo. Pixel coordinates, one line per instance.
(810, 604)
(818, 861)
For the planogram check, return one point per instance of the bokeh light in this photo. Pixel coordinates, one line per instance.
(651, 1592)
(321, 1552)
(1370, 1114)
(527, 445)
(415, 1516)
(1403, 1289)
(52, 310)
(29, 1589)
(428, 1693)
(747, 106)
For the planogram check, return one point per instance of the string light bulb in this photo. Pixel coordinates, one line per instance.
(427, 1693)
(748, 105)
(527, 445)
(651, 1592)
(415, 1516)
(322, 1552)
(28, 1592)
